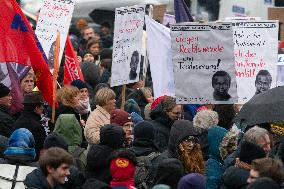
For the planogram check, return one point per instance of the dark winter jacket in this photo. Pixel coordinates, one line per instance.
(6, 122)
(37, 180)
(31, 121)
(162, 124)
(203, 140)
(143, 147)
(235, 178)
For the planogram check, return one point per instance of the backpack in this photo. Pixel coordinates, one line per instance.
(144, 171)
(13, 176)
(77, 161)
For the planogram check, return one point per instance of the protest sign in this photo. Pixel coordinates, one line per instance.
(280, 70)
(160, 58)
(203, 60)
(127, 45)
(255, 45)
(55, 16)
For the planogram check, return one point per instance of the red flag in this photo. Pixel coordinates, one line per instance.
(72, 69)
(19, 44)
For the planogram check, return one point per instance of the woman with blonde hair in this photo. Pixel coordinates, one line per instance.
(105, 103)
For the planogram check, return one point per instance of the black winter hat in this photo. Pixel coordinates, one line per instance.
(79, 84)
(250, 151)
(93, 183)
(112, 135)
(55, 140)
(145, 130)
(263, 183)
(33, 98)
(4, 90)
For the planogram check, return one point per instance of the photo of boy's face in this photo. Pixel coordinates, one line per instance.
(263, 81)
(134, 65)
(221, 85)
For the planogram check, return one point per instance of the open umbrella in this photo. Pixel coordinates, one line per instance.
(266, 107)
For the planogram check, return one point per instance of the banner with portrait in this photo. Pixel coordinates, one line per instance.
(127, 45)
(203, 61)
(256, 49)
(55, 16)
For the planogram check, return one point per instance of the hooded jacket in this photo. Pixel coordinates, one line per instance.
(214, 165)
(141, 100)
(37, 180)
(162, 124)
(180, 130)
(68, 126)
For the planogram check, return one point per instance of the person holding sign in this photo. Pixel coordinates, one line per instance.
(221, 82)
(263, 81)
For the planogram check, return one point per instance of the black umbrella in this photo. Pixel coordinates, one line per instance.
(267, 107)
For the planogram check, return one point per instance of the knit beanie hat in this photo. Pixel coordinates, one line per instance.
(4, 91)
(79, 84)
(136, 118)
(144, 130)
(55, 140)
(22, 138)
(250, 151)
(263, 183)
(132, 106)
(192, 181)
(157, 101)
(119, 117)
(112, 136)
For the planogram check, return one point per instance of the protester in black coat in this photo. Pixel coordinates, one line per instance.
(163, 116)
(6, 120)
(31, 119)
(98, 158)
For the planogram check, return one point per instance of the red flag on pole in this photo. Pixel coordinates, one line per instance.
(19, 44)
(72, 69)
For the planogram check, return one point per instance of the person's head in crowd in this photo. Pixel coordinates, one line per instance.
(54, 140)
(221, 82)
(33, 102)
(88, 33)
(237, 108)
(105, 98)
(157, 101)
(106, 64)
(229, 143)
(144, 131)
(94, 47)
(248, 152)
(147, 92)
(172, 109)
(81, 24)
(3, 145)
(122, 168)
(192, 181)
(169, 172)
(122, 118)
(91, 73)
(112, 136)
(5, 96)
(55, 164)
(132, 106)
(88, 57)
(106, 53)
(28, 83)
(260, 137)
(266, 167)
(264, 183)
(136, 118)
(262, 81)
(81, 85)
(105, 28)
(161, 186)
(21, 145)
(184, 145)
(69, 96)
(204, 119)
(226, 114)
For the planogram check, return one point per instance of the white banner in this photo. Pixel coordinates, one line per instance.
(255, 45)
(127, 45)
(55, 15)
(160, 58)
(203, 60)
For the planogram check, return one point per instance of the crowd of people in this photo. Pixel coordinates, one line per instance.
(101, 138)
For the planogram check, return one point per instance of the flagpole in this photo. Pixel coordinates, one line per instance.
(55, 74)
